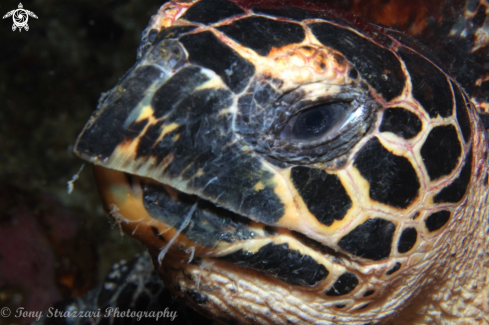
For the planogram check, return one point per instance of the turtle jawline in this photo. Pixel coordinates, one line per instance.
(209, 225)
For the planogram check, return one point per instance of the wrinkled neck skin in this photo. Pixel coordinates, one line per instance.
(457, 288)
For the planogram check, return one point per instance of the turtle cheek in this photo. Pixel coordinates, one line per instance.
(323, 193)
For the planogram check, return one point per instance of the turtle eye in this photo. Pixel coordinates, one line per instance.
(316, 121)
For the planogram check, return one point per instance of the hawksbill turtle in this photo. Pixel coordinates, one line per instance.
(287, 163)
(20, 17)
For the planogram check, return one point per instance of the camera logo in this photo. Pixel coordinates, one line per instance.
(20, 17)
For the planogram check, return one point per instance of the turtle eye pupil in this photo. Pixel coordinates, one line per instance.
(316, 121)
(312, 121)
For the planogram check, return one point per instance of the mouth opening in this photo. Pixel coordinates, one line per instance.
(169, 221)
(287, 255)
(209, 224)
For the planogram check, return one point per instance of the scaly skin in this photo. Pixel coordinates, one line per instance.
(168, 156)
(457, 286)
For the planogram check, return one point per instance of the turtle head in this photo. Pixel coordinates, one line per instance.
(285, 165)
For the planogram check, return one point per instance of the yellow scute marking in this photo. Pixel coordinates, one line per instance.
(360, 186)
(259, 186)
(199, 173)
(213, 83)
(167, 129)
(289, 219)
(303, 64)
(390, 142)
(146, 113)
(126, 150)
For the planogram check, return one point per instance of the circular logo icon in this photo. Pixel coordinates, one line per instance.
(20, 17)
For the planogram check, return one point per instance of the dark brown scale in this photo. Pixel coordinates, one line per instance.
(480, 16)
(430, 86)
(437, 220)
(262, 34)
(323, 193)
(392, 178)
(205, 47)
(108, 132)
(212, 11)
(485, 120)
(401, 122)
(372, 239)
(345, 284)
(368, 293)
(441, 151)
(395, 268)
(166, 98)
(456, 190)
(283, 263)
(213, 156)
(407, 240)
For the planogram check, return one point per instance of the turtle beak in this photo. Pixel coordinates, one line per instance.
(173, 123)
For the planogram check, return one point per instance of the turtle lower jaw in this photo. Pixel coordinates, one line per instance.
(222, 290)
